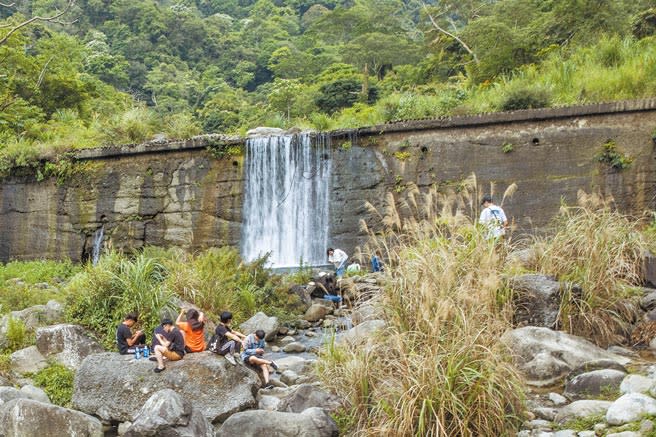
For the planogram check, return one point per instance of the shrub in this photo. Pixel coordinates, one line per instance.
(612, 157)
(525, 98)
(438, 367)
(17, 335)
(101, 295)
(57, 381)
(602, 251)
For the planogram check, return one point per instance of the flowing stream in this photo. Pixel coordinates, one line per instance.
(286, 203)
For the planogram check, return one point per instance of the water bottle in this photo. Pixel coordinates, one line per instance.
(146, 352)
(136, 353)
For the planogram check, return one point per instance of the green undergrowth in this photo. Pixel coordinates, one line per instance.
(57, 381)
(27, 283)
(153, 284)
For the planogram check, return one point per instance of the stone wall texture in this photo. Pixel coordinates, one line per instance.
(185, 194)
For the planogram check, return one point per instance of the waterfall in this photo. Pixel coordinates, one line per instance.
(286, 199)
(97, 244)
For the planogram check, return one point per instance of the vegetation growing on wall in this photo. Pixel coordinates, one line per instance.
(127, 70)
(611, 156)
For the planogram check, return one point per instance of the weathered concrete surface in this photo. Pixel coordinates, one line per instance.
(178, 194)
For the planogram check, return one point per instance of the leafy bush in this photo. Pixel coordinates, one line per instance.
(57, 381)
(101, 295)
(17, 335)
(525, 98)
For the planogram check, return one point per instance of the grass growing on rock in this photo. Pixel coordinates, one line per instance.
(602, 251)
(438, 368)
(57, 381)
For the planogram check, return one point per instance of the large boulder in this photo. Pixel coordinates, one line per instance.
(10, 393)
(114, 387)
(593, 384)
(362, 332)
(546, 357)
(166, 413)
(66, 344)
(307, 396)
(27, 360)
(582, 409)
(265, 131)
(26, 417)
(536, 299)
(630, 407)
(32, 317)
(269, 325)
(316, 312)
(313, 422)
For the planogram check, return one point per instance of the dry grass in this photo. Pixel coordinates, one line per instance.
(438, 368)
(601, 250)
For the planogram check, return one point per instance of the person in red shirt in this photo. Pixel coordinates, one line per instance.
(193, 329)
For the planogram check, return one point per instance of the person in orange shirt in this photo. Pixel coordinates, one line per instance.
(193, 329)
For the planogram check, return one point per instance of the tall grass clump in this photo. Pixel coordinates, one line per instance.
(601, 250)
(101, 295)
(438, 368)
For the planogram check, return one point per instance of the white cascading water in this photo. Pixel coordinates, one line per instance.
(286, 199)
(97, 244)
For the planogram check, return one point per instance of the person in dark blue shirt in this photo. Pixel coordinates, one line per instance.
(125, 339)
(171, 347)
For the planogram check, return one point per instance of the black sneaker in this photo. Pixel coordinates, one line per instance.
(274, 365)
(152, 358)
(158, 370)
(268, 385)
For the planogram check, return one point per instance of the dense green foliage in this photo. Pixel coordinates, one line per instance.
(156, 282)
(57, 381)
(128, 69)
(22, 283)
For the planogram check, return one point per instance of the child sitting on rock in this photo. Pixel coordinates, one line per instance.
(229, 341)
(253, 355)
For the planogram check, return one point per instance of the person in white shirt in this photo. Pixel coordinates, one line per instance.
(493, 218)
(338, 257)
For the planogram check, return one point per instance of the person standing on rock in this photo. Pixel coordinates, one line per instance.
(253, 355)
(493, 218)
(229, 341)
(171, 347)
(339, 258)
(194, 330)
(125, 339)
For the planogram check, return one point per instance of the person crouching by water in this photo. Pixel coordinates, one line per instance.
(339, 258)
(253, 355)
(171, 347)
(229, 341)
(125, 339)
(193, 329)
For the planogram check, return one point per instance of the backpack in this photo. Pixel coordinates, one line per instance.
(214, 345)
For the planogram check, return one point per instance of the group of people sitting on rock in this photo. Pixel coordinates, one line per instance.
(171, 341)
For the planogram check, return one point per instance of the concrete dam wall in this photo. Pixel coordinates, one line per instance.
(191, 193)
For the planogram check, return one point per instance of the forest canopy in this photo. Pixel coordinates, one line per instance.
(121, 71)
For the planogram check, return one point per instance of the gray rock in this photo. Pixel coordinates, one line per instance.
(624, 434)
(275, 349)
(288, 339)
(541, 424)
(581, 409)
(265, 131)
(310, 334)
(630, 407)
(269, 325)
(363, 312)
(294, 347)
(649, 270)
(301, 324)
(32, 317)
(269, 403)
(636, 384)
(592, 365)
(648, 301)
(289, 377)
(26, 417)
(35, 393)
(557, 399)
(283, 330)
(587, 434)
(362, 332)
(10, 393)
(619, 350)
(536, 299)
(28, 360)
(565, 433)
(313, 422)
(66, 344)
(295, 363)
(592, 384)
(166, 413)
(316, 312)
(545, 413)
(114, 387)
(646, 427)
(308, 396)
(545, 356)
